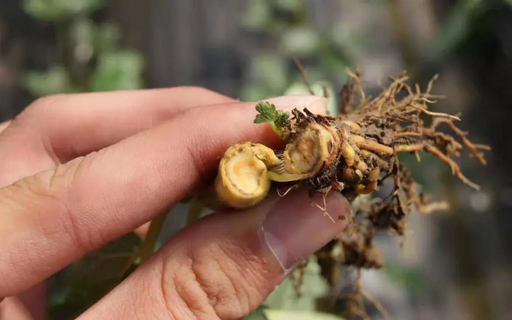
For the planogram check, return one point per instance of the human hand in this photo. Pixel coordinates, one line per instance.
(78, 171)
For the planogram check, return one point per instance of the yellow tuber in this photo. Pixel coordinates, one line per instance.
(242, 176)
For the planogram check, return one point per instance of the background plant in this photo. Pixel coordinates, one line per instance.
(89, 56)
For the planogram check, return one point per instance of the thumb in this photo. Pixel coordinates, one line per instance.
(225, 265)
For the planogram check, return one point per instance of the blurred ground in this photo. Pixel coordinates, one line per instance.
(243, 49)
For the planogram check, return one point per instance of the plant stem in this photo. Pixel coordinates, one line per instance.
(148, 245)
(195, 211)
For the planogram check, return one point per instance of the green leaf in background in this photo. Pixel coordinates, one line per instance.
(314, 288)
(405, 277)
(257, 15)
(284, 304)
(318, 88)
(294, 6)
(256, 92)
(343, 37)
(118, 70)
(53, 81)
(420, 171)
(270, 70)
(457, 29)
(105, 38)
(300, 41)
(55, 10)
(258, 314)
(82, 33)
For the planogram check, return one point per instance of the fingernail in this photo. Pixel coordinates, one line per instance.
(313, 103)
(293, 229)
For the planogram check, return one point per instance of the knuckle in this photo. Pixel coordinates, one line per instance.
(48, 191)
(41, 105)
(60, 183)
(221, 281)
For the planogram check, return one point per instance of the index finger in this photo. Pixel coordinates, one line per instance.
(56, 129)
(55, 217)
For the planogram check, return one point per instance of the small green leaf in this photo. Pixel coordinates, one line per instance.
(278, 119)
(57, 10)
(269, 113)
(118, 70)
(257, 15)
(53, 81)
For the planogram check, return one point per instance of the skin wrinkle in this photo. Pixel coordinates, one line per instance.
(25, 252)
(148, 297)
(49, 148)
(163, 290)
(227, 257)
(241, 295)
(187, 292)
(213, 294)
(71, 220)
(65, 219)
(246, 262)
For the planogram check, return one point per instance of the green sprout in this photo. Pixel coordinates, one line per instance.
(279, 120)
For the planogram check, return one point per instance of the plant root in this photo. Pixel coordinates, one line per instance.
(357, 152)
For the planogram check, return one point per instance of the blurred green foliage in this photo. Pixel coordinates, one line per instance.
(461, 23)
(285, 303)
(289, 33)
(90, 56)
(313, 289)
(55, 10)
(410, 279)
(86, 281)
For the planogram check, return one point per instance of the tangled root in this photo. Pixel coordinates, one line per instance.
(355, 153)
